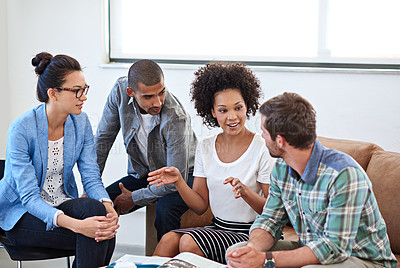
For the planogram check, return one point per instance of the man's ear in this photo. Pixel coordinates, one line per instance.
(130, 92)
(280, 140)
(51, 92)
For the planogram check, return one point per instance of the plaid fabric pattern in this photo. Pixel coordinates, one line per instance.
(331, 207)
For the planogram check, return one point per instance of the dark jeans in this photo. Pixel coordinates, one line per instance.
(169, 208)
(30, 231)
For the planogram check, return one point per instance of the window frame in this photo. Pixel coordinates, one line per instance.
(322, 46)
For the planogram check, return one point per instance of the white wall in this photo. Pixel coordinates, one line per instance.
(361, 106)
(4, 99)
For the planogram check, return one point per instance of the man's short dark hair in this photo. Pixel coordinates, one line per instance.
(147, 72)
(292, 117)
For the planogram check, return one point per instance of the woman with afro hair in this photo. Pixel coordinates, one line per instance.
(232, 168)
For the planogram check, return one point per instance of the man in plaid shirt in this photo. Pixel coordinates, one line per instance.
(324, 193)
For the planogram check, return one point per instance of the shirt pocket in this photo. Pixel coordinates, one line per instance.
(317, 219)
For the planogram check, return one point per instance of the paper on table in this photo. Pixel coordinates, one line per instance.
(143, 259)
(198, 260)
(185, 256)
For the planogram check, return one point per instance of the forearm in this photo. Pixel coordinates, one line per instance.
(261, 240)
(295, 258)
(254, 200)
(151, 193)
(68, 222)
(192, 199)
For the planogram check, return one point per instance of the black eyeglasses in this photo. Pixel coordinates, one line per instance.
(78, 91)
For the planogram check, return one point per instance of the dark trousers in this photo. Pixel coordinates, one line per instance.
(169, 208)
(30, 231)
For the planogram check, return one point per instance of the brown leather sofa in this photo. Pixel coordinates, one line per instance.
(382, 167)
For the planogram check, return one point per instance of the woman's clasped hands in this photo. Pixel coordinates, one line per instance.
(100, 227)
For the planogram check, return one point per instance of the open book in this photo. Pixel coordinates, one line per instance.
(182, 260)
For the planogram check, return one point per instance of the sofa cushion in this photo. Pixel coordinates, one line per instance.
(359, 150)
(384, 173)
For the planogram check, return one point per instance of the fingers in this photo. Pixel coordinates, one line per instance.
(237, 186)
(104, 235)
(107, 228)
(156, 172)
(238, 252)
(233, 181)
(233, 264)
(228, 180)
(238, 189)
(155, 179)
(158, 182)
(122, 187)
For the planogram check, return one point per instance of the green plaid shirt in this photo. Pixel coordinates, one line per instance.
(331, 207)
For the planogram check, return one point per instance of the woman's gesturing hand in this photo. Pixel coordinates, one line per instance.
(165, 175)
(237, 186)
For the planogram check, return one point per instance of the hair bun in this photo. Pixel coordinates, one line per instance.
(41, 61)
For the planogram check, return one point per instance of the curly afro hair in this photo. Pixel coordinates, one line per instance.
(218, 76)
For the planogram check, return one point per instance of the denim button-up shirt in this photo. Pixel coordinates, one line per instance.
(171, 141)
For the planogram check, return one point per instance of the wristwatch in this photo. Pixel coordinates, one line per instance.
(269, 261)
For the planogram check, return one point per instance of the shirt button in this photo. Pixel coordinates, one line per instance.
(308, 230)
(300, 194)
(304, 213)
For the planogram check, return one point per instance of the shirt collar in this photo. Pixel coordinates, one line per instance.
(310, 172)
(135, 106)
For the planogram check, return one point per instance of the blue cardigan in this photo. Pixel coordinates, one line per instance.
(26, 165)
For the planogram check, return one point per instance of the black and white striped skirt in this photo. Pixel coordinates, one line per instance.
(215, 239)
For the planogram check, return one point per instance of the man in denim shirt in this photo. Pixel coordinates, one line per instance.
(157, 132)
(324, 193)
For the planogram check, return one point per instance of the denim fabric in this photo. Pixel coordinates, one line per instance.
(169, 208)
(171, 141)
(30, 231)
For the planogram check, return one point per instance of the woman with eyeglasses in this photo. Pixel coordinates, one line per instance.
(39, 204)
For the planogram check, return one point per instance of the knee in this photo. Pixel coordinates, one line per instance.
(187, 244)
(168, 241)
(170, 238)
(168, 245)
(91, 207)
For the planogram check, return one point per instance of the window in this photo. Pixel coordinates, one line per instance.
(260, 32)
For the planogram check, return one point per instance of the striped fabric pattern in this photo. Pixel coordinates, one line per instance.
(215, 239)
